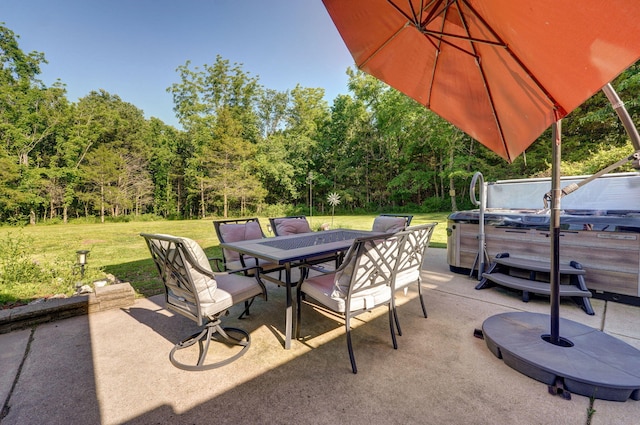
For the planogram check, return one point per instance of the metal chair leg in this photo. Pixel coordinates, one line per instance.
(424, 309)
(392, 316)
(352, 358)
(247, 305)
(298, 310)
(395, 318)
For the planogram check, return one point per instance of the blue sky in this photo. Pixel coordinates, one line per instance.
(131, 48)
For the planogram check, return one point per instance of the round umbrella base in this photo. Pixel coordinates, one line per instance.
(587, 362)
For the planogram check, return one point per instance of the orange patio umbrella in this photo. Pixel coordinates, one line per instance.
(500, 70)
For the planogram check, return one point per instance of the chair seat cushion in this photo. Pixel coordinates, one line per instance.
(231, 289)
(323, 289)
(404, 279)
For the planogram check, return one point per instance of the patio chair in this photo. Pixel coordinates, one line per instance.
(193, 290)
(413, 247)
(236, 230)
(291, 225)
(391, 223)
(294, 225)
(361, 283)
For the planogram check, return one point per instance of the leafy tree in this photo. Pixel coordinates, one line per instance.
(217, 107)
(169, 152)
(29, 116)
(101, 171)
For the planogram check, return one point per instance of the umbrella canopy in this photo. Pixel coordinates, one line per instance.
(500, 70)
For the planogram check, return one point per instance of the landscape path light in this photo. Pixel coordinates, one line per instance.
(81, 260)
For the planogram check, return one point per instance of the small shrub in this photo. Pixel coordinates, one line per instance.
(23, 279)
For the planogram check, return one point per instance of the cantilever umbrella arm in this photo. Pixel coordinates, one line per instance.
(634, 158)
(632, 131)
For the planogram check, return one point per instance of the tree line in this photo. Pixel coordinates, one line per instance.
(247, 149)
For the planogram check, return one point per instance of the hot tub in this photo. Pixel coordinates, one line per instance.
(605, 241)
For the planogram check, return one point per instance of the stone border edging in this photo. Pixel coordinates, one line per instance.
(105, 298)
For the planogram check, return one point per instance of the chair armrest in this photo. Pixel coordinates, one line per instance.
(221, 269)
(316, 267)
(219, 263)
(242, 270)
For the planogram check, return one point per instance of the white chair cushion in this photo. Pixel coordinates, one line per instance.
(323, 289)
(232, 289)
(406, 278)
(204, 285)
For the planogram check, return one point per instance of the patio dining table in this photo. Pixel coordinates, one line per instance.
(293, 251)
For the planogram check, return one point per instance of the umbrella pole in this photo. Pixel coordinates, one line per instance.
(555, 234)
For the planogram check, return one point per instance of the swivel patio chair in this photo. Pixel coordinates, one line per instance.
(291, 225)
(391, 223)
(413, 247)
(361, 283)
(193, 290)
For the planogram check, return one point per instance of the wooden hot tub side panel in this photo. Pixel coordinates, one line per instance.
(611, 260)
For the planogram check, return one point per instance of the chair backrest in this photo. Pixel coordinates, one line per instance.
(190, 285)
(391, 223)
(237, 230)
(368, 265)
(291, 225)
(413, 247)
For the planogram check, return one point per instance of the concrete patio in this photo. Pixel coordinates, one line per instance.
(112, 367)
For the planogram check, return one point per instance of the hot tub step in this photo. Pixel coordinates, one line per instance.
(534, 286)
(501, 272)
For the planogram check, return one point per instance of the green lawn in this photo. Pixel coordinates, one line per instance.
(118, 249)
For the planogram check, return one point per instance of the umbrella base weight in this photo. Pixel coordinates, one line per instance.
(593, 364)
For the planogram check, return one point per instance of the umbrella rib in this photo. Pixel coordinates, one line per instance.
(486, 84)
(383, 45)
(432, 12)
(421, 24)
(409, 22)
(555, 103)
(462, 37)
(415, 19)
(413, 11)
(435, 66)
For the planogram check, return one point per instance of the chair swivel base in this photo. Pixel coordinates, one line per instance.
(212, 332)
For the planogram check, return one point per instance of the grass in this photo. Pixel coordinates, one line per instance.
(118, 249)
